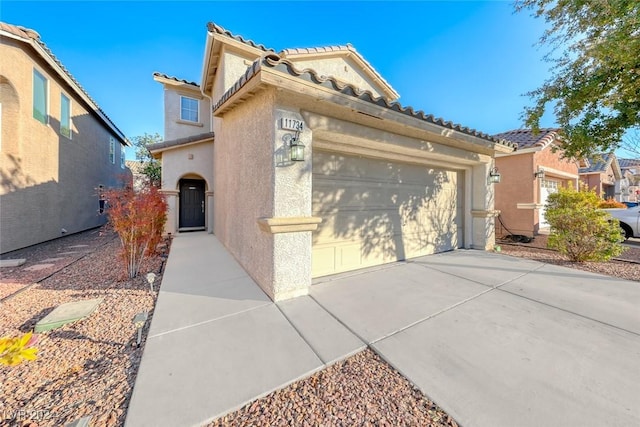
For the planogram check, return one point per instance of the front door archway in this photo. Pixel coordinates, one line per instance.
(192, 205)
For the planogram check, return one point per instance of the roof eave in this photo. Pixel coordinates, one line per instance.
(389, 92)
(213, 49)
(266, 77)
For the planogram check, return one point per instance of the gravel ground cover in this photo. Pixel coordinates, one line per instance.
(626, 266)
(83, 368)
(362, 390)
(89, 367)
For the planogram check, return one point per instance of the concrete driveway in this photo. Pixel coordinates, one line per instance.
(494, 340)
(500, 341)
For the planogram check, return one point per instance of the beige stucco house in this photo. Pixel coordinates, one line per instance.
(57, 147)
(536, 169)
(376, 182)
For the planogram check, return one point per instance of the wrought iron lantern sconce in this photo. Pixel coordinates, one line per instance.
(539, 174)
(494, 176)
(296, 148)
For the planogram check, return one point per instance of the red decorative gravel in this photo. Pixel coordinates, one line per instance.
(362, 390)
(83, 368)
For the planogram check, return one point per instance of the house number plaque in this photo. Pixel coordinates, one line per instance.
(291, 124)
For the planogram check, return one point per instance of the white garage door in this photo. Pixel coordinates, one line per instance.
(375, 211)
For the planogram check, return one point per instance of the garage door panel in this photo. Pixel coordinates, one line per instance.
(376, 211)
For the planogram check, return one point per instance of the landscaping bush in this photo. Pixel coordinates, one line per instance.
(611, 203)
(579, 229)
(14, 351)
(138, 219)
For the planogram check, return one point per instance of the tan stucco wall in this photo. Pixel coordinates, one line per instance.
(243, 185)
(48, 180)
(193, 161)
(343, 69)
(174, 127)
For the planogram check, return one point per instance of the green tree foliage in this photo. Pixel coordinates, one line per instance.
(579, 229)
(151, 167)
(595, 82)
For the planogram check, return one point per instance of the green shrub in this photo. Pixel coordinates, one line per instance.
(579, 229)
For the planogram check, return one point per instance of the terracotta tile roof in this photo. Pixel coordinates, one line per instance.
(135, 166)
(175, 79)
(274, 61)
(214, 28)
(525, 138)
(180, 141)
(31, 36)
(598, 163)
(348, 48)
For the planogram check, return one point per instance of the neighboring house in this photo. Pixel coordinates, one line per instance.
(536, 169)
(138, 178)
(58, 149)
(602, 174)
(631, 171)
(310, 166)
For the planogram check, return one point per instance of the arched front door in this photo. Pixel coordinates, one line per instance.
(192, 204)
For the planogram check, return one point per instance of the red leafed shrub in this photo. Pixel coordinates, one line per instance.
(138, 219)
(611, 203)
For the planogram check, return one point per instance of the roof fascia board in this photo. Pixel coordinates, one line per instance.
(529, 150)
(208, 46)
(64, 76)
(177, 84)
(173, 147)
(216, 43)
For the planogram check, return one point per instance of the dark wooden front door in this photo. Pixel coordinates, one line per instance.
(192, 203)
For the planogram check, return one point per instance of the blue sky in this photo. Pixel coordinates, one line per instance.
(465, 61)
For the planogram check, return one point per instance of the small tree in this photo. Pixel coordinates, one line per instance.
(579, 229)
(138, 219)
(150, 166)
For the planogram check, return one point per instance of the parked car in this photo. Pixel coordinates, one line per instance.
(629, 220)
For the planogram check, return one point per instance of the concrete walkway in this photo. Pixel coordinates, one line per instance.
(494, 340)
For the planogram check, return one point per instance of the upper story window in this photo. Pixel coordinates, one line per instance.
(112, 150)
(188, 109)
(65, 116)
(40, 97)
(122, 156)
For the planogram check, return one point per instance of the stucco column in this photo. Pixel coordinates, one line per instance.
(209, 196)
(172, 216)
(482, 208)
(292, 223)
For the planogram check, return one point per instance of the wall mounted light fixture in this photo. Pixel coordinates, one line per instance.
(296, 148)
(539, 174)
(494, 176)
